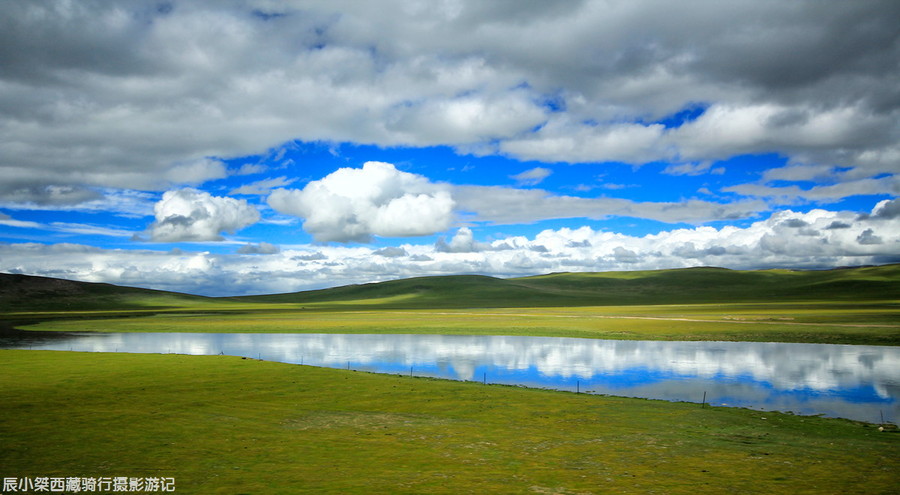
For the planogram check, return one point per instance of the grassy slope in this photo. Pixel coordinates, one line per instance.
(219, 424)
(29, 293)
(685, 286)
(850, 306)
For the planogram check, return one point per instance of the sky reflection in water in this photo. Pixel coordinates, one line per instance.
(855, 382)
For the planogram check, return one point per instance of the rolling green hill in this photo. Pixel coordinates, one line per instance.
(680, 286)
(30, 293)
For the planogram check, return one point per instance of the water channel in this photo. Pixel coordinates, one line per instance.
(847, 381)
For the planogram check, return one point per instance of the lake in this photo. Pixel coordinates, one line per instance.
(847, 381)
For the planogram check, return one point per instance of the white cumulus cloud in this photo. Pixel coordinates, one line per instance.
(192, 215)
(375, 200)
(462, 242)
(815, 239)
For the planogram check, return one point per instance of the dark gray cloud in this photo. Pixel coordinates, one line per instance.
(501, 205)
(317, 256)
(838, 225)
(391, 252)
(623, 255)
(47, 195)
(809, 49)
(868, 238)
(794, 223)
(260, 248)
(137, 94)
(887, 209)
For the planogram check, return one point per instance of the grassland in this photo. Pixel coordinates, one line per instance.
(220, 424)
(874, 323)
(851, 306)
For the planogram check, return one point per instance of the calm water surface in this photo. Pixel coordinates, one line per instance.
(849, 381)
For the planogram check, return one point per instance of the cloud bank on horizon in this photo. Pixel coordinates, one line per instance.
(256, 146)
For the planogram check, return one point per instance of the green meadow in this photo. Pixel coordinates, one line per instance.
(875, 323)
(219, 424)
(850, 306)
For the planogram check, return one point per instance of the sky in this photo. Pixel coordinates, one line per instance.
(251, 147)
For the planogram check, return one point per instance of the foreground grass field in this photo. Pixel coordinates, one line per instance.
(221, 424)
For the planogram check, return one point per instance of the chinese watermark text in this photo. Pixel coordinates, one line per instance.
(59, 484)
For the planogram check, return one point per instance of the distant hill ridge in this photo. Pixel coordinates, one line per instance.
(676, 286)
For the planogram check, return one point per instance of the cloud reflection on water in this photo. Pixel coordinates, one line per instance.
(857, 382)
